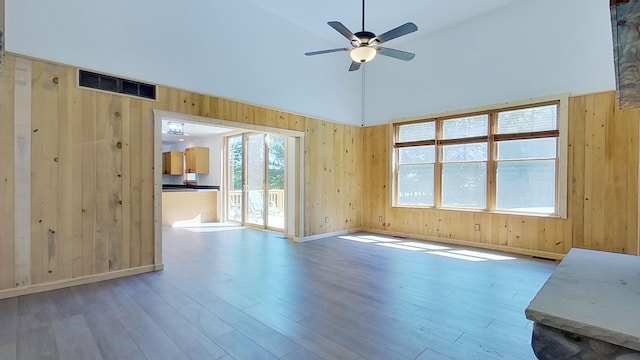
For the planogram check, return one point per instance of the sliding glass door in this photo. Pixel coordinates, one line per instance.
(235, 178)
(255, 185)
(275, 181)
(256, 165)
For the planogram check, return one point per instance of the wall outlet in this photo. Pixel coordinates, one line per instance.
(477, 227)
(379, 219)
(326, 219)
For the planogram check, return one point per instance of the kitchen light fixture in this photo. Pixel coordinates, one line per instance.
(362, 54)
(175, 128)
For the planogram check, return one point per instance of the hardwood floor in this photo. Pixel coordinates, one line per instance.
(247, 294)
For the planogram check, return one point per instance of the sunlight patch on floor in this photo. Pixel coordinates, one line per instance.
(428, 248)
(379, 238)
(456, 256)
(483, 255)
(356, 238)
(208, 227)
(425, 246)
(399, 246)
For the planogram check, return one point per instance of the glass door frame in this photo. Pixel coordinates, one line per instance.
(244, 194)
(252, 207)
(228, 205)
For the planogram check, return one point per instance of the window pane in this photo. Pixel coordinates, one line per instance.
(417, 132)
(415, 185)
(464, 185)
(465, 152)
(527, 149)
(417, 154)
(466, 127)
(528, 120)
(527, 186)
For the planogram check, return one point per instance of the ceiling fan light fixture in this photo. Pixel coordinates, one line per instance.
(363, 54)
(175, 128)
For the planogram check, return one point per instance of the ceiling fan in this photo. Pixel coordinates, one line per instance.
(365, 45)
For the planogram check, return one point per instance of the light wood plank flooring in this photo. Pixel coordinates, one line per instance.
(248, 294)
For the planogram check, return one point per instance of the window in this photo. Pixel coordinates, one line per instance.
(416, 164)
(504, 160)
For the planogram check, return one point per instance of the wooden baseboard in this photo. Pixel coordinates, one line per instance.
(326, 235)
(508, 249)
(33, 289)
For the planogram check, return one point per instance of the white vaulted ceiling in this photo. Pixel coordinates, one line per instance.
(469, 53)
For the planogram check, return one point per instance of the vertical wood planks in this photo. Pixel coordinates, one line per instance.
(633, 182)
(65, 172)
(24, 177)
(88, 173)
(116, 174)
(49, 160)
(125, 199)
(7, 175)
(627, 182)
(135, 233)
(577, 123)
(147, 211)
(89, 179)
(76, 173)
(86, 178)
(603, 190)
(104, 173)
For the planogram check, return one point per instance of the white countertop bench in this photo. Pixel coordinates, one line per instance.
(595, 294)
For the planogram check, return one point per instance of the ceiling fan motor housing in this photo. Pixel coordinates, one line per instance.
(364, 37)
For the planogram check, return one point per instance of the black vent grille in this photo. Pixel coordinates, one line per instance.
(93, 80)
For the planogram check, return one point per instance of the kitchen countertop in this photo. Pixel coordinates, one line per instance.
(594, 294)
(189, 187)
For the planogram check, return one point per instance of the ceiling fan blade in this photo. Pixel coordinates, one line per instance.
(354, 66)
(326, 51)
(395, 33)
(398, 54)
(344, 31)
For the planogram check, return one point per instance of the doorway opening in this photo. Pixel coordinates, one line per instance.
(257, 172)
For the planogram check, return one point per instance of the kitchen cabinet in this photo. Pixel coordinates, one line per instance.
(172, 163)
(197, 160)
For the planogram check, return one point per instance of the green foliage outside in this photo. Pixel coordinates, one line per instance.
(276, 161)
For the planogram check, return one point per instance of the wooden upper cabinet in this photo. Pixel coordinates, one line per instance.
(197, 160)
(172, 163)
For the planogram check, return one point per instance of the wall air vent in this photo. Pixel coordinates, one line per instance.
(117, 85)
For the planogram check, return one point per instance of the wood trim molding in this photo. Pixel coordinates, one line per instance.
(22, 172)
(33, 289)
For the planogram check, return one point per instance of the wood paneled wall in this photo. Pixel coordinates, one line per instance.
(88, 207)
(91, 173)
(603, 191)
(604, 195)
(333, 170)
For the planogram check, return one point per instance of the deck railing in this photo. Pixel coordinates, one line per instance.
(275, 197)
